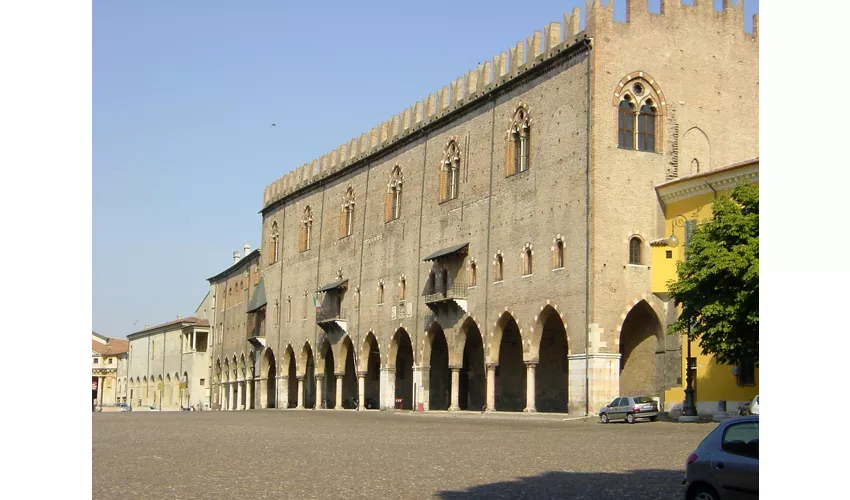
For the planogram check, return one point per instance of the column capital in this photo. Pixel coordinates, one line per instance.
(339, 375)
(455, 368)
(299, 377)
(361, 374)
(492, 366)
(320, 376)
(530, 364)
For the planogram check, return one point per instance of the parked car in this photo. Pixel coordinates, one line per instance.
(754, 406)
(725, 466)
(124, 407)
(630, 408)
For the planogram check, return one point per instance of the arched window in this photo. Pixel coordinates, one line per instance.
(558, 257)
(626, 124)
(526, 260)
(450, 172)
(635, 251)
(392, 200)
(306, 230)
(381, 292)
(346, 216)
(499, 268)
(518, 145)
(274, 247)
(646, 127)
(473, 279)
(288, 308)
(304, 313)
(402, 285)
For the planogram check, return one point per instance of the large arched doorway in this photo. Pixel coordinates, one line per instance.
(401, 359)
(249, 381)
(510, 371)
(638, 344)
(439, 375)
(371, 355)
(329, 380)
(472, 386)
(267, 380)
(349, 378)
(309, 365)
(292, 377)
(550, 385)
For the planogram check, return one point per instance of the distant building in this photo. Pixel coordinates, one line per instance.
(108, 370)
(169, 365)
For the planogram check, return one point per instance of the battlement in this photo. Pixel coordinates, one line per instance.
(541, 46)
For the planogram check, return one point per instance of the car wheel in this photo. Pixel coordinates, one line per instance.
(604, 418)
(702, 492)
(630, 418)
(653, 419)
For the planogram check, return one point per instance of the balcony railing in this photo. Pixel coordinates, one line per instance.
(325, 315)
(440, 293)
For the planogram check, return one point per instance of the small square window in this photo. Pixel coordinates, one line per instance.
(202, 382)
(669, 254)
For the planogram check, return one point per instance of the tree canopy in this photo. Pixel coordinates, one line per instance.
(718, 282)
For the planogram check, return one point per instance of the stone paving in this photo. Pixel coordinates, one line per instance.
(347, 454)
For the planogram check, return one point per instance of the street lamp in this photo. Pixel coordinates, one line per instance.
(678, 221)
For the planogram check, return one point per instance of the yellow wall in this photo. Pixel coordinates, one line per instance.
(714, 382)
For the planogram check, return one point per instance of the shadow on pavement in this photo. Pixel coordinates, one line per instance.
(639, 484)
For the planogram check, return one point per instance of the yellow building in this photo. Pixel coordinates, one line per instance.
(686, 202)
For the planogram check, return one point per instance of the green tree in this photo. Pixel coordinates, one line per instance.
(718, 282)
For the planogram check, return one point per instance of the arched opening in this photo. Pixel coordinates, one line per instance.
(550, 387)
(168, 400)
(472, 386)
(309, 377)
(292, 378)
(175, 392)
(267, 380)
(401, 357)
(510, 372)
(349, 378)
(439, 375)
(249, 383)
(638, 343)
(329, 380)
(372, 382)
(635, 256)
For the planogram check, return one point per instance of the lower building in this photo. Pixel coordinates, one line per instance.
(109, 370)
(687, 201)
(168, 365)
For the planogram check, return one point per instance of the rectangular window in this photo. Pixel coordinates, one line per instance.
(746, 372)
(202, 382)
(94, 361)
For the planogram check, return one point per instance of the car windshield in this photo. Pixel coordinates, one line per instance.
(642, 399)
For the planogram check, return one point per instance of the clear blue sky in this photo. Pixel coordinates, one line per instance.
(184, 95)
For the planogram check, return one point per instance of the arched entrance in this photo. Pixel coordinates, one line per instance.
(371, 356)
(292, 378)
(510, 371)
(268, 376)
(329, 380)
(249, 382)
(550, 385)
(349, 378)
(309, 365)
(638, 343)
(401, 360)
(439, 375)
(472, 386)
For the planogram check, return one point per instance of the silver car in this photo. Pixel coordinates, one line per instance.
(725, 466)
(630, 408)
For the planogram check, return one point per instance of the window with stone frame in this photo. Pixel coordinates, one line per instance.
(274, 246)
(346, 216)
(402, 285)
(499, 268)
(306, 234)
(527, 253)
(449, 186)
(473, 273)
(518, 142)
(635, 251)
(392, 198)
(381, 292)
(304, 313)
(640, 105)
(558, 254)
(288, 308)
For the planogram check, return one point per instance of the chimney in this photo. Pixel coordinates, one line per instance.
(179, 317)
(236, 256)
(247, 249)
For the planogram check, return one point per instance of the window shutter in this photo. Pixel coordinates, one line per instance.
(555, 256)
(388, 206)
(270, 256)
(441, 195)
(510, 156)
(528, 150)
(302, 238)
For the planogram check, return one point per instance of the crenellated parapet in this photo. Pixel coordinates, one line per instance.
(542, 46)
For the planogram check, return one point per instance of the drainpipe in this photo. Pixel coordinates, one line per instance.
(588, 237)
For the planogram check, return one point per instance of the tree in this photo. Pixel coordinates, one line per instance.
(718, 282)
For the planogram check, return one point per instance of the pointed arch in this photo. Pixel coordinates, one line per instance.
(518, 141)
(506, 349)
(640, 336)
(469, 356)
(392, 198)
(638, 96)
(401, 363)
(370, 363)
(449, 187)
(549, 348)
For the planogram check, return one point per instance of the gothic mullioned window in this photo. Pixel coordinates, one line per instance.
(392, 199)
(306, 230)
(346, 216)
(450, 172)
(274, 244)
(639, 104)
(518, 143)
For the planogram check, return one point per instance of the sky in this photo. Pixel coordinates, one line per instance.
(184, 95)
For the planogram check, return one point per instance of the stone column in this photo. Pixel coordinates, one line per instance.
(425, 372)
(300, 405)
(491, 386)
(249, 393)
(240, 391)
(529, 386)
(339, 390)
(320, 393)
(455, 388)
(387, 388)
(100, 391)
(283, 393)
(232, 399)
(361, 390)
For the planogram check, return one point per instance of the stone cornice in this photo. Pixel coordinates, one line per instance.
(709, 182)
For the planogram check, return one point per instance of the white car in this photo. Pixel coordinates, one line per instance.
(754, 406)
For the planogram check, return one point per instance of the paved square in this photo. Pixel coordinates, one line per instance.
(346, 454)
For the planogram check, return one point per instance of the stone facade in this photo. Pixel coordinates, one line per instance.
(109, 370)
(518, 171)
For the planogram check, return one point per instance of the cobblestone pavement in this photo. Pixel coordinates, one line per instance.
(345, 454)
